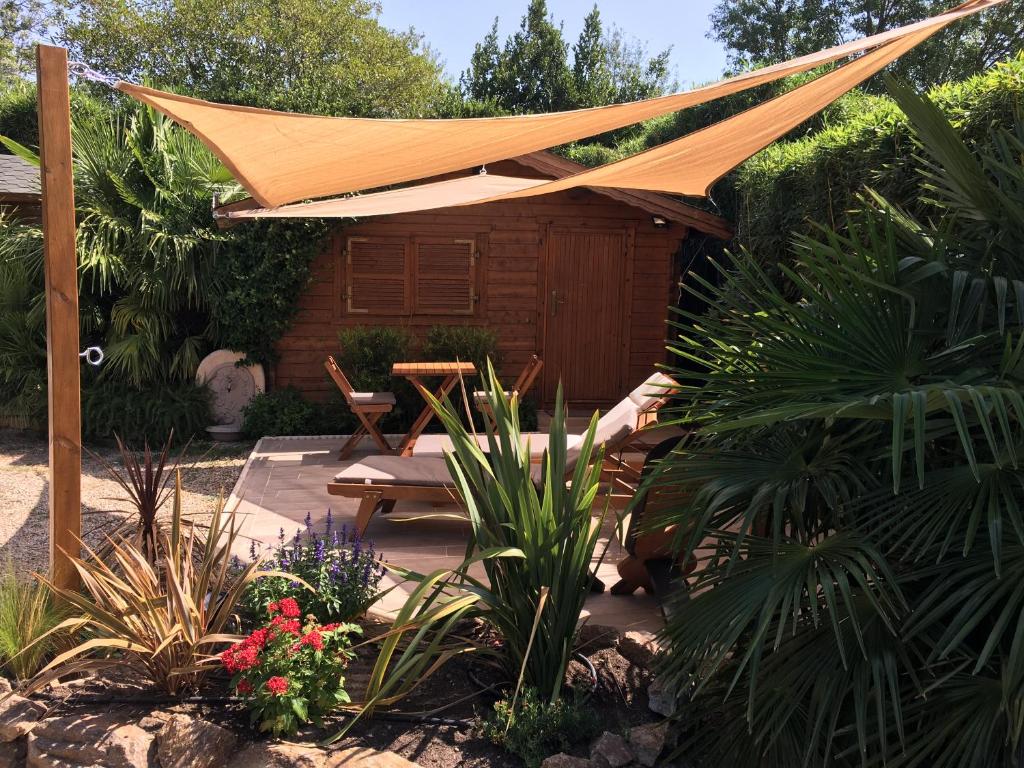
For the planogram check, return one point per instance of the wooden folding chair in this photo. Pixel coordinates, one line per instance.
(526, 378)
(368, 407)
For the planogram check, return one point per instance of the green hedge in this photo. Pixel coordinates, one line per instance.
(785, 188)
(110, 408)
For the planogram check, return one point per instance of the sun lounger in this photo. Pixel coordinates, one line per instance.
(381, 481)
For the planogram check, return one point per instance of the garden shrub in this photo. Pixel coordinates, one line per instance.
(534, 729)
(343, 572)
(291, 670)
(27, 613)
(791, 187)
(137, 415)
(367, 355)
(278, 413)
(467, 343)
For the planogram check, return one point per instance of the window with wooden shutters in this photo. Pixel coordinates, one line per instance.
(377, 275)
(445, 272)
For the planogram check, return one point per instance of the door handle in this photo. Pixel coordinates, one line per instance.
(555, 301)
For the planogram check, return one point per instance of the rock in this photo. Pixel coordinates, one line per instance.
(185, 742)
(5, 686)
(18, 716)
(648, 741)
(610, 751)
(638, 647)
(596, 637)
(96, 740)
(270, 755)
(661, 697)
(12, 753)
(562, 760)
(128, 746)
(359, 757)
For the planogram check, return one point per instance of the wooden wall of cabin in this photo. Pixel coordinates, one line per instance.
(511, 282)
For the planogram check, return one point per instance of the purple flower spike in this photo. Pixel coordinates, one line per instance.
(309, 521)
(280, 535)
(329, 524)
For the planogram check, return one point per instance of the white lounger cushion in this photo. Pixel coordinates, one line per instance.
(647, 395)
(426, 471)
(438, 445)
(373, 398)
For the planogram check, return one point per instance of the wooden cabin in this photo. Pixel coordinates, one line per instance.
(582, 278)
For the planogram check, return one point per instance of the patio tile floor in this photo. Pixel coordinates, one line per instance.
(286, 478)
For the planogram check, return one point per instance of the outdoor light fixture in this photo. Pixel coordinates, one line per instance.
(659, 222)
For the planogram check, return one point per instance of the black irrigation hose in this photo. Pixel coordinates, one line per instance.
(99, 700)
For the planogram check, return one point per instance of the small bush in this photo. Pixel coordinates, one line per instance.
(290, 671)
(281, 412)
(369, 352)
(536, 730)
(468, 343)
(343, 573)
(148, 414)
(27, 612)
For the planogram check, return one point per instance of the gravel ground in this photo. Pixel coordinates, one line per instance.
(207, 471)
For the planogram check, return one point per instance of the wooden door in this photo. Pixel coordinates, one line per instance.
(585, 319)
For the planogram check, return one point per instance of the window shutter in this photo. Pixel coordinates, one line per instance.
(445, 276)
(377, 273)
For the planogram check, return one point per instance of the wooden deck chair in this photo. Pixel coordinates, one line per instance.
(379, 482)
(526, 378)
(368, 407)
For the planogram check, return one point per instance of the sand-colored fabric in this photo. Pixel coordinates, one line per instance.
(424, 197)
(284, 157)
(397, 470)
(692, 164)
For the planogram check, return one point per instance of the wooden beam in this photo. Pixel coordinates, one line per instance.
(61, 312)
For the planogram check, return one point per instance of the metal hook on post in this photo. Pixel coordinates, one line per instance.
(92, 355)
(78, 69)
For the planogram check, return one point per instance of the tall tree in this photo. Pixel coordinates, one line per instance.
(20, 20)
(323, 56)
(591, 77)
(768, 31)
(532, 73)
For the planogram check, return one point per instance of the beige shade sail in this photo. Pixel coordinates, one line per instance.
(692, 164)
(423, 197)
(282, 157)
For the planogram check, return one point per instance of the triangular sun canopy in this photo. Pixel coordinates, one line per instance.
(282, 157)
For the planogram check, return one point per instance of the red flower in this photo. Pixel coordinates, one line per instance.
(278, 685)
(288, 626)
(244, 687)
(273, 608)
(257, 639)
(329, 627)
(244, 658)
(289, 608)
(314, 638)
(227, 658)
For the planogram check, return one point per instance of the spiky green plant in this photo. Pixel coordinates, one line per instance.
(27, 614)
(855, 487)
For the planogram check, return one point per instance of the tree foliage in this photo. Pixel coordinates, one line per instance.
(532, 71)
(757, 32)
(160, 286)
(20, 22)
(319, 56)
(854, 484)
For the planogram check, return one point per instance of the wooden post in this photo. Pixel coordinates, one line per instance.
(61, 312)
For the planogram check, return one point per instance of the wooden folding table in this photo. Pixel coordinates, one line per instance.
(416, 372)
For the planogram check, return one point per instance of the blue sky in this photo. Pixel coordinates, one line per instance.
(453, 27)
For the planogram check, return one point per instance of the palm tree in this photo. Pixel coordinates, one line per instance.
(855, 486)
